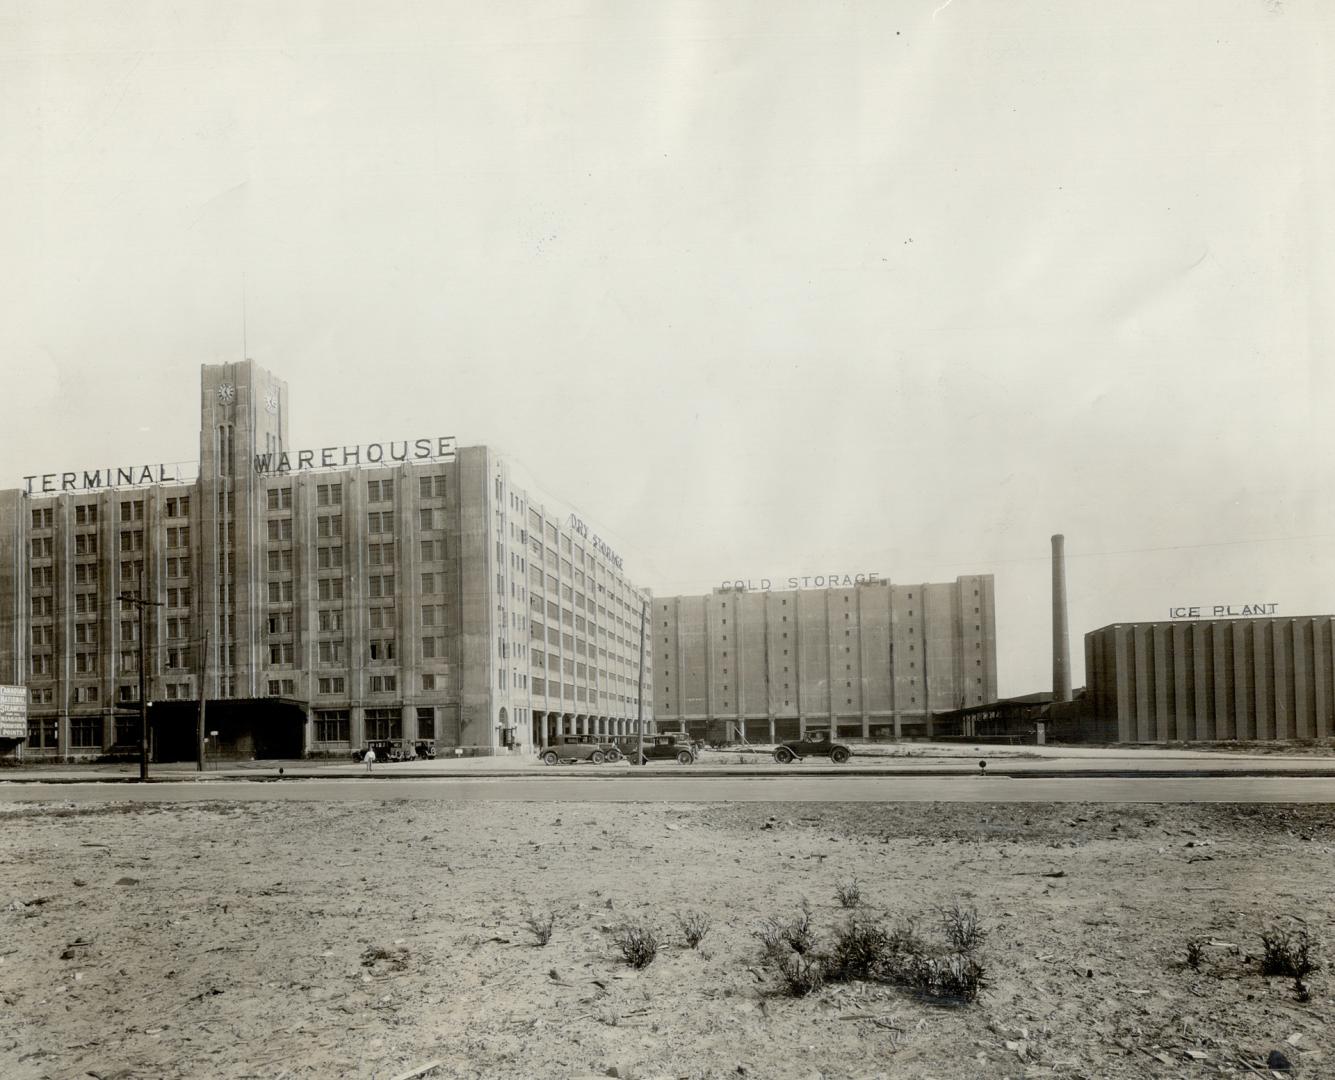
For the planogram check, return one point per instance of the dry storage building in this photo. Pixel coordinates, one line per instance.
(870, 659)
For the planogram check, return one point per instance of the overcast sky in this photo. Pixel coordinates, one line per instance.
(761, 289)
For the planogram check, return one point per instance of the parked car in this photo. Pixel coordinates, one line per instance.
(394, 750)
(579, 748)
(814, 744)
(664, 746)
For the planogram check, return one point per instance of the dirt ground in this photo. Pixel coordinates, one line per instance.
(370, 939)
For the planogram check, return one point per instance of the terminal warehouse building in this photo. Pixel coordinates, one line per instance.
(862, 658)
(407, 590)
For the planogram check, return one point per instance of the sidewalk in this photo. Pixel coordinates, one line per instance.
(915, 759)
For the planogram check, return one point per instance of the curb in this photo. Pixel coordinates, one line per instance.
(890, 774)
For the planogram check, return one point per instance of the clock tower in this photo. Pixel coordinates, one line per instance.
(243, 412)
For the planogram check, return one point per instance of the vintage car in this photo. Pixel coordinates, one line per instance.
(393, 750)
(664, 746)
(813, 744)
(579, 748)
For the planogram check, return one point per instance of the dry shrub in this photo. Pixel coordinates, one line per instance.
(1287, 952)
(694, 926)
(638, 943)
(540, 926)
(848, 893)
(801, 974)
(963, 929)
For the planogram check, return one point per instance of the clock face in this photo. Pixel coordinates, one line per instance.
(271, 401)
(227, 393)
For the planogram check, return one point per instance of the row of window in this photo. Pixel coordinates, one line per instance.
(130, 510)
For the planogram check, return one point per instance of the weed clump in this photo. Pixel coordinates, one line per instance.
(963, 929)
(861, 950)
(1287, 952)
(540, 926)
(694, 926)
(848, 893)
(947, 970)
(801, 974)
(794, 935)
(1195, 952)
(638, 943)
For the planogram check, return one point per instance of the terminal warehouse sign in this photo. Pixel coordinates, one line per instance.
(1223, 611)
(436, 448)
(116, 476)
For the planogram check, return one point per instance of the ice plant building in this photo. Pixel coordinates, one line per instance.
(316, 599)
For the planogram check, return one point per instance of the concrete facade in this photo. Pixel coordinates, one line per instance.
(872, 659)
(403, 590)
(1208, 680)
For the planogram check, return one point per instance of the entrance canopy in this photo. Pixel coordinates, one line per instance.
(262, 727)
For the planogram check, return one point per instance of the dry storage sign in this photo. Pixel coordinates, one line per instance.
(13, 712)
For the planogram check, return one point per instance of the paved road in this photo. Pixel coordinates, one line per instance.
(1261, 789)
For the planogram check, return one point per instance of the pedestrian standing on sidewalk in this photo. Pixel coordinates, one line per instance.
(370, 760)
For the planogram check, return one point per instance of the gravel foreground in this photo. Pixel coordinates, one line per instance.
(374, 939)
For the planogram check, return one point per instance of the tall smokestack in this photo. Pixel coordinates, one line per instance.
(1061, 643)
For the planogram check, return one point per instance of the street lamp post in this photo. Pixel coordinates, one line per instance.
(137, 599)
(639, 698)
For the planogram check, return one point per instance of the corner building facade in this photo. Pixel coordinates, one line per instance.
(316, 599)
(874, 660)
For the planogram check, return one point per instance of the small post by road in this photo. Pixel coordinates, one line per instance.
(203, 695)
(142, 604)
(639, 697)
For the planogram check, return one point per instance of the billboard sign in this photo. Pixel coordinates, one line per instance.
(13, 712)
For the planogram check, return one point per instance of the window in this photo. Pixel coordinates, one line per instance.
(330, 684)
(382, 649)
(280, 498)
(384, 684)
(280, 592)
(280, 528)
(331, 652)
(330, 588)
(280, 652)
(426, 718)
(329, 526)
(331, 725)
(331, 619)
(380, 490)
(380, 585)
(384, 724)
(87, 515)
(328, 495)
(380, 522)
(86, 731)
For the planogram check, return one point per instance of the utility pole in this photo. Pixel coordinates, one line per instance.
(639, 723)
(203, 694)
(137, 599)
